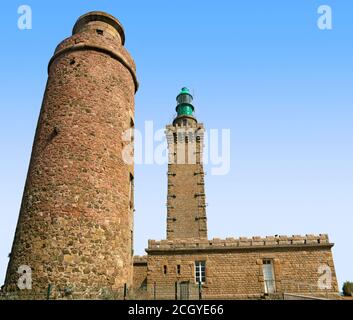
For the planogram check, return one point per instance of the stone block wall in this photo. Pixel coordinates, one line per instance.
(234, 267)
(140, 272)
(186, 206)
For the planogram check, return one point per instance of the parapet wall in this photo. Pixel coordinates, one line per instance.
(140, 259)
(229, 243)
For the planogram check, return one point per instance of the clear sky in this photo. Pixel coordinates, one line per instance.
(263, 69)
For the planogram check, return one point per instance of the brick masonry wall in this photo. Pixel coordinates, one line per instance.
(75, 221)
(237, 271)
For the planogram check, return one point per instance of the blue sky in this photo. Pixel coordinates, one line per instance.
(263, 69)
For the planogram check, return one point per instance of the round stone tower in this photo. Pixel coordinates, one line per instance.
(76, 218)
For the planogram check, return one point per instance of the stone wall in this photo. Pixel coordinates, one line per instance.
(238, 242)
(75, 223)
(186, 207)
(140, 272)
(234, 267)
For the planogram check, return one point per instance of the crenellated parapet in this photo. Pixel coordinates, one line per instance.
(139, 260)
(239, 243)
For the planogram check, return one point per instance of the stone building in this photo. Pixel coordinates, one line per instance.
(75, 226)
(188, 265)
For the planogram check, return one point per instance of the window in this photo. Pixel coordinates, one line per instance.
(178, 269)
(269, 277)
(132, 130)
(100, 32)
(200, 271)
(165, 269)
(184, 98)
(131, 192)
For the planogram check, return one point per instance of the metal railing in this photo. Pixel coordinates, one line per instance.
(180, 290)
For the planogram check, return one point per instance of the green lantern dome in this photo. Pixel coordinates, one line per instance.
(184, 100)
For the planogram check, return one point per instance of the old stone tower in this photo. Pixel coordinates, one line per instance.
(76, 217)
(75, 228)
(186, 208)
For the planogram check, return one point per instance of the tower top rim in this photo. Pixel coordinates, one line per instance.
(99, 16)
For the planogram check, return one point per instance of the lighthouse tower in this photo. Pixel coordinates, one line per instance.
(75, 223)
(186, 207)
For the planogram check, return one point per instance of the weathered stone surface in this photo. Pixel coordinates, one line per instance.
(238, 273)
(234, 266)
(186, 207)
(75, 224)
(140, 272)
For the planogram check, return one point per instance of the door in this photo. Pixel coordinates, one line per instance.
(184, 290)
